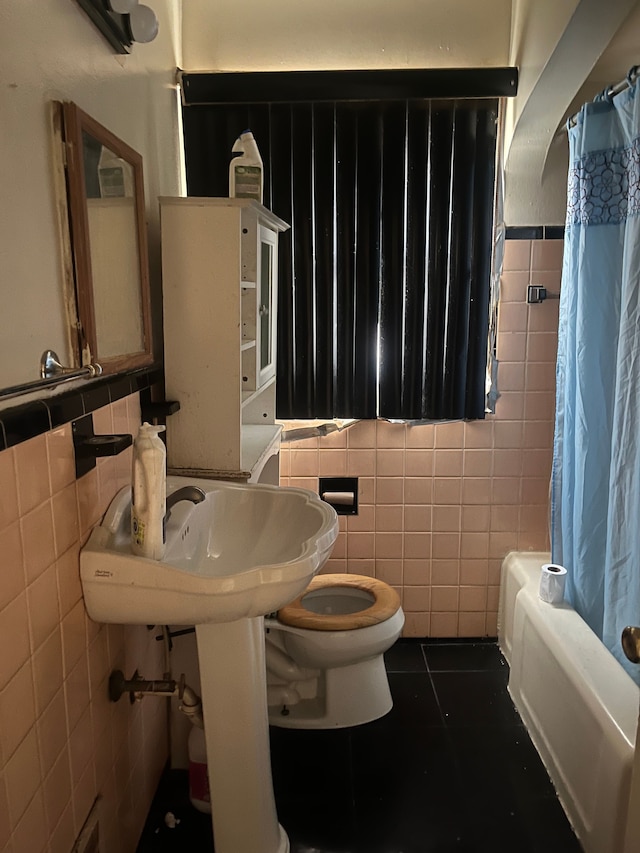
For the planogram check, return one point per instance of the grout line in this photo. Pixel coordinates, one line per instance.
(461, 671)
(433, 687)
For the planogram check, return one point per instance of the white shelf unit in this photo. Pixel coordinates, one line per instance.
(219, 266)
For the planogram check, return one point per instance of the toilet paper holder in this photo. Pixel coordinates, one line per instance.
(341, 493)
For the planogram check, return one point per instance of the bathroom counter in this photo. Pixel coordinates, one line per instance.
(259, 444)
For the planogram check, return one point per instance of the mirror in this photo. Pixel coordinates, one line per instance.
(105, 197)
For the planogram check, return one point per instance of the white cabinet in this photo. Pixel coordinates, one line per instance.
(219, 273)
(259, 308)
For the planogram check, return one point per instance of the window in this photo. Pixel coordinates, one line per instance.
(384, 277)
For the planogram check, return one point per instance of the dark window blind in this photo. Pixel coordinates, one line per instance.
(384, 276)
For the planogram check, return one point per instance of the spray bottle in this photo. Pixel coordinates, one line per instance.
(149, 493)
(245, 169)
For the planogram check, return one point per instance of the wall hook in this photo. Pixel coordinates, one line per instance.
(88, 446)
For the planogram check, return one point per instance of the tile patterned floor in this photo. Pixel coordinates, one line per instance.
(450, 768)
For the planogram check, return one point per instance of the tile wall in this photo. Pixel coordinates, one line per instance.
(441, 505)
(439, 508)
(62, 742)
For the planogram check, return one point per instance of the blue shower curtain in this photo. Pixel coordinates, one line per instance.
(595, 511)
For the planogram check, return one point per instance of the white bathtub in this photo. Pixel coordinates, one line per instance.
(578, 704)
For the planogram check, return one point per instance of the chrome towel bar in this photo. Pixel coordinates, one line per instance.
(52, 373)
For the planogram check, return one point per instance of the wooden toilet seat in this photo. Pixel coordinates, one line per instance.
(387, 602)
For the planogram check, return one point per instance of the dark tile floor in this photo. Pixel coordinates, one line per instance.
(450, 768)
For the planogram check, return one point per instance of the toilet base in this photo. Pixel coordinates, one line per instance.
(346, 696)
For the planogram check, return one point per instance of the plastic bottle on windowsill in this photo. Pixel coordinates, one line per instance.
(245, 169)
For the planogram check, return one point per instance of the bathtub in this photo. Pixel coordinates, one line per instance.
(579, 706)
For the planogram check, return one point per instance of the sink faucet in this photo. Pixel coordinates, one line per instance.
(187, 493)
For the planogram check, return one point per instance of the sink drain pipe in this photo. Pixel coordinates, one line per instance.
(191, 706)
(138, 687)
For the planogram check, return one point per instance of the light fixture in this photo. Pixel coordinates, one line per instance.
(122, 22)
(122, 7)
(143, 23)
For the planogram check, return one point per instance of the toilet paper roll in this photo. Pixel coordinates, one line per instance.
(339, 498)
(552, 582)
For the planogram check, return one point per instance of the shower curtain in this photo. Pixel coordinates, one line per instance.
(595, 508)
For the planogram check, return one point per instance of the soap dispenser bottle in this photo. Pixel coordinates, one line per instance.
(149, 493)
(245, 169)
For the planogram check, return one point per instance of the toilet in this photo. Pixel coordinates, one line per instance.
(324, 653)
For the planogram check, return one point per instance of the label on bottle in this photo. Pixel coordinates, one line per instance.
(247, 182)
(112, 182)
(199, 782)
(137, 530)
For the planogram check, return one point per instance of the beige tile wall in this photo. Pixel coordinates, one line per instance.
(440, 505)
(62, 742)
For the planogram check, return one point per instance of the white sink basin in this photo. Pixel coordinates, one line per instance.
(244, 551)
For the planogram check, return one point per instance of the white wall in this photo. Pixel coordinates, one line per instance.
(248, 35)
(536, 27)
(245, 35)
(556, 44)
(52, 51)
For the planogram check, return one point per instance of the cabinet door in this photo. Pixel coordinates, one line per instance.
(267, 294)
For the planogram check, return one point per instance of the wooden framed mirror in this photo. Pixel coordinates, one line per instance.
(105, 197)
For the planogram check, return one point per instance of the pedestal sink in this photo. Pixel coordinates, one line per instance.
(241, 553)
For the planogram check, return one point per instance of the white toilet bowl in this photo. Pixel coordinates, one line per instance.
(324, 653)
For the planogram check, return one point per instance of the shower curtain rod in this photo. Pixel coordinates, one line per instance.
(629, 80)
